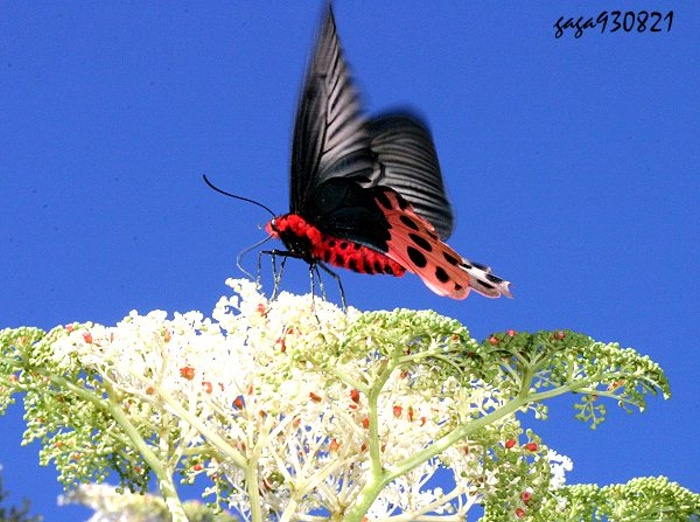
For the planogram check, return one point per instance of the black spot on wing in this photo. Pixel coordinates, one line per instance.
(421, 242)
(416, 257)
(441, 275)
(383, 200)
(403, 204)
(451, 259)
(432, 235)
(408, 222)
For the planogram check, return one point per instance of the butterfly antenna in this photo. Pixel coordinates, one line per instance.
(211, 185)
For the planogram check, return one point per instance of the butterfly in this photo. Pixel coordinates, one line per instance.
(367, 194)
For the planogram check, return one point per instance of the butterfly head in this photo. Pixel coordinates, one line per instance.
(296, 234)
(272, 228)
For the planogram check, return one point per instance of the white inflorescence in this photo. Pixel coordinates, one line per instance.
(273, 382)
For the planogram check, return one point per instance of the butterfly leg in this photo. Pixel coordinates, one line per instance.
(337, 280)
(313, 273)
(276, 274)
(314, 267)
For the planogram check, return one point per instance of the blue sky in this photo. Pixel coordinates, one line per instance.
(572, 165)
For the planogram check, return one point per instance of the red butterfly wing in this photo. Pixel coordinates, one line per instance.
(415, 245)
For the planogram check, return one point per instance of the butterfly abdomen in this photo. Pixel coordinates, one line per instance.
(307, 242)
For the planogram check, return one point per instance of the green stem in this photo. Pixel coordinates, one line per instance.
(374, 486)
(251, 480)
(164, 476)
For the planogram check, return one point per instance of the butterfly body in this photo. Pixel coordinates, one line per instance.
(367, 194)
(307, 242)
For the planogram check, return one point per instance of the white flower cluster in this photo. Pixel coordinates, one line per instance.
(265, 392)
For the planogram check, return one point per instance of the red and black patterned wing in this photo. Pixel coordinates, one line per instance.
(406, 162)
(414, 244)
(331, 138)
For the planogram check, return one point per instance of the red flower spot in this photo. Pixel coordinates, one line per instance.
(167, 336)
(87, 337)
(560, 335)
(282, 345)
(493, 340)
(615, 385)
(363, 447)
(397, 411)
(531, 446)
(207, 387)
(239, 403)
(526, 496)
(520, 513)
(314, 397)
(403, 374)
(70, 328)
(510, 443)
(355, 396)
(410, 414)
(365, 423)
(262, 309)
(197, 467)
(187, 372)
(333, 446)
(150, 390)
(511, 333)
(423, 420)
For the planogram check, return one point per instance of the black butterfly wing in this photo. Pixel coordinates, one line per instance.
(340, 161)
(406, 161)
(331, 139)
